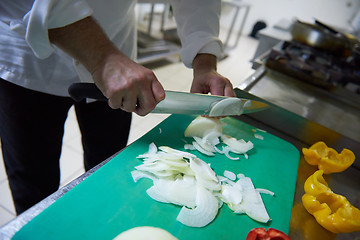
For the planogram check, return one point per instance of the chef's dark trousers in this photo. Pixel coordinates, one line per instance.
(31, 132)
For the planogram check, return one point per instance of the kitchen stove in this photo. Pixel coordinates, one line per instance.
(330, 71)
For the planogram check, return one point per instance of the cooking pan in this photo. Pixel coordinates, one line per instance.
(322, 37)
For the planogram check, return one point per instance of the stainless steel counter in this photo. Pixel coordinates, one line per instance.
(327, 117)
(289, 123)
(302, 115)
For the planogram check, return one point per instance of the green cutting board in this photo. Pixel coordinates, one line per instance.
(109, 202)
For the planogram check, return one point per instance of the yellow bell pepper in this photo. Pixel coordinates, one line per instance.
(332, 211)
(328, 159)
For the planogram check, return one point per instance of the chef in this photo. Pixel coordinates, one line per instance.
(46, 45)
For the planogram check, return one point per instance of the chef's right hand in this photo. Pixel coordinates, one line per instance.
(128, 85)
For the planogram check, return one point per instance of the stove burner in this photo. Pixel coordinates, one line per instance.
(317, 67)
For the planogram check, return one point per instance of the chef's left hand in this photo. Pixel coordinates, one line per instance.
(207, 79)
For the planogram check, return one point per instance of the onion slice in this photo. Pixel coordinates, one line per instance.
(265, 191)
(258, 136)
(237, 146)
(230, 175)
(252, 203)
(202, 150)
(182, 179)
(204, 212)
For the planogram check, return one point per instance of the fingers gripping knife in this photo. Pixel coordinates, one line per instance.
(181, 102)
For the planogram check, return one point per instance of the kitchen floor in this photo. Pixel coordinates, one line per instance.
(173, 76)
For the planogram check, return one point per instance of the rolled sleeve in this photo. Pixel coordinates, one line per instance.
(47, 14)
(198, 28)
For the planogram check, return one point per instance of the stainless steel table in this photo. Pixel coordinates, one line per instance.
(279, 121)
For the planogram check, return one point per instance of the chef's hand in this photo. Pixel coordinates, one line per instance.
(127, 85)
(207, 79)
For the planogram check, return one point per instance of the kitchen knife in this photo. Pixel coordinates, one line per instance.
(181, 102)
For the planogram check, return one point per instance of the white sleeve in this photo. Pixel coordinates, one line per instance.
(198, 28)
(47, 14)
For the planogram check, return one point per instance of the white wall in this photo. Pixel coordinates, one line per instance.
(333, 12)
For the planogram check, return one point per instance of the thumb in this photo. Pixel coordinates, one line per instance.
(158, 91)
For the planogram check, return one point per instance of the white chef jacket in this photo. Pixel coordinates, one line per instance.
(28, 59)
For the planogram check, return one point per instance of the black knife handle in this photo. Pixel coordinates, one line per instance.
(79, 91)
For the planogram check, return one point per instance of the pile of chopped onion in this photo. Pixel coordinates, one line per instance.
(183, 179)
(207, 133)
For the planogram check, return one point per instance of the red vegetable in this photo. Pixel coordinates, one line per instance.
(270, 234)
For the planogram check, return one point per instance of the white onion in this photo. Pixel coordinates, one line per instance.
(252, 203)
(155, 194)
(258, 136)
(265, 191)
(181, 178)
(204, 144)
(237, 146)
(152, 148)
(136, 175)
(200, 126)
(209, 184)
(219, 151)
(207, 133)
(227, 149)
(230, 175)
(212, 137)
(145, 232)
(202, 169)
(180, 192)
(175, 152)
(231, 195)
(204, 212)
(203, 151)
(189, 147)
(240, 175)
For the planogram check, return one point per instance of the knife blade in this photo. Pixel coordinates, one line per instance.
(182, 102)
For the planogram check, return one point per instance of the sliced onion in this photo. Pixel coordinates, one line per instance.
(231, 195)
(203, 151)
(202, 125)
(202, 170)
(136, 175)
(180, 192)
(212, 137)
(175, 152)
(237, 146)
(227, 150)
(155, 194)
(152, 148)
(240, 175)
(219, 151)
(224, 180)
(183, 179)
(258, 136)
(252, 203)
(209, 184)
(265, 191)
(204, 144)
(204, 212)
(189, 147)
(230, 175)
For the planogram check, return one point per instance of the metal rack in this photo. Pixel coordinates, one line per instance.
(152, 49)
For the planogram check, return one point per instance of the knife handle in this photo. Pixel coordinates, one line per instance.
(80, 91)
